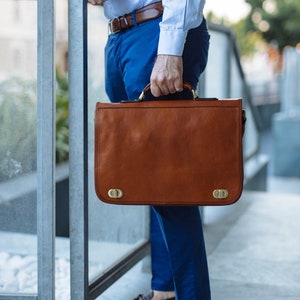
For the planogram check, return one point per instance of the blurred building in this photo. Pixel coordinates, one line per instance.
(18, 37)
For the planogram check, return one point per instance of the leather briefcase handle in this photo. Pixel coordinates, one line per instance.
(186, 86)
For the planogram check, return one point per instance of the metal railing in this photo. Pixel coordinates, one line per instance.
(232, 82)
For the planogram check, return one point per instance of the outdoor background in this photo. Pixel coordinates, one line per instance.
(267, 33)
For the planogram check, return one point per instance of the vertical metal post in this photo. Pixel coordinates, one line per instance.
(46, 150)
(228, 67)
(78, 141)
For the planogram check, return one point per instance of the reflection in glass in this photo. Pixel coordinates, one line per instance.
(18, 241)
(251, 137)
(113, 230)
(215, 71)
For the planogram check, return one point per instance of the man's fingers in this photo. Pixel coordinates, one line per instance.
(166, 87)
(171, 87)
(166, 77)
(155, 90)
(161, 87)
(178, 85)
(96, 2)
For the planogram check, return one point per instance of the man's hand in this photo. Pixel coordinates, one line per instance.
(166, 77)
(96, 2)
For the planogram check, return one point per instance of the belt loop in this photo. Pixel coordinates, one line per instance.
(133, 18)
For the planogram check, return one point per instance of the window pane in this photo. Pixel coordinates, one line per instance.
(251, 137)
(113, 230)
(216, 66)
(18, 242)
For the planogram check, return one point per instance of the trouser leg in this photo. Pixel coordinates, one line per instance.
(183, 236)
(162, 276)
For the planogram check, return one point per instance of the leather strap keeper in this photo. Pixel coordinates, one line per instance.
(146, 13)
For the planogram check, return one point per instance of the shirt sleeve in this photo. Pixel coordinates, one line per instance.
(179, 16)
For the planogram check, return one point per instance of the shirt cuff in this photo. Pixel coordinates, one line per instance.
(171, 42)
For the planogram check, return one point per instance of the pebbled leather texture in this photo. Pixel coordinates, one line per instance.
(169, 152)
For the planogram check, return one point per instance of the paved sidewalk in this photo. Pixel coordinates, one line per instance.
(252, 246)
(253, 251)
(257, 255)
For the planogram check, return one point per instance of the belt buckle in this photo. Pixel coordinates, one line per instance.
(110, 30)
(118, 19)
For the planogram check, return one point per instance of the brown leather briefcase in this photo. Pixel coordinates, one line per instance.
(162, 152)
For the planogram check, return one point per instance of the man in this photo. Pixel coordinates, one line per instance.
(164, 43)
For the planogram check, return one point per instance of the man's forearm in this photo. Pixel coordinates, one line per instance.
(178, 18)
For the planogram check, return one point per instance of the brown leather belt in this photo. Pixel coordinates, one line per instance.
(146, 13)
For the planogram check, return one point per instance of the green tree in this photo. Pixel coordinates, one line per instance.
(246, 39)
(276, 20)
(17, 127)
(62, 123)
(18, 114)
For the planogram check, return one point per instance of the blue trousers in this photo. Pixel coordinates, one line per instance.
(177, 244)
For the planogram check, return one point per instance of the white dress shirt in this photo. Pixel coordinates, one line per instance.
(179, 16)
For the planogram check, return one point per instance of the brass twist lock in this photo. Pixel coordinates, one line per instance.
(220, 193)
(115, 193)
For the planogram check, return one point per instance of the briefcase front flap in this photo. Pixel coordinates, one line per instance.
(182, 152)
